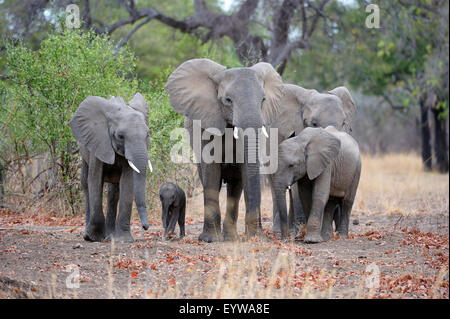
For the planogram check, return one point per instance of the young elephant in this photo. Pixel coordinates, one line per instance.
(327, 165)
(173, 202)
(301, 108)
(113, 138)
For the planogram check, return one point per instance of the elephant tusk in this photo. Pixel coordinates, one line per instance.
(133, 167)
(263, 128)
(235, 133)
(150, 166)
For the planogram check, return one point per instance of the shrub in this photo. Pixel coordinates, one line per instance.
(44, 87)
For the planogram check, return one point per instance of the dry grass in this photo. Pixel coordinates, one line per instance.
(396, 183)
(393, 184)
(393, 190)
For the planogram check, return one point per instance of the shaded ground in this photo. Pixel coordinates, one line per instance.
(403, 248)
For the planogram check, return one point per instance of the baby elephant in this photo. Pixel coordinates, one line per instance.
(326, 164)
(173, 202)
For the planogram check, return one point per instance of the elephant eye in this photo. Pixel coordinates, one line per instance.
(120, 136)
(291, 165)
(227, 101)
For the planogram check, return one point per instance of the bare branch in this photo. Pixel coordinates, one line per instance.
(127, 38)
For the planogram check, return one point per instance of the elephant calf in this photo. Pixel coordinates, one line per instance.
(113, 139)
(326, 165)
(173, 202)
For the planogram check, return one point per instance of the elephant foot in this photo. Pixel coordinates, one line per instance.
(123, 237)
(210, 237)
(276, 228)
(109, 233)
(230, 235)
(326, 236)
(94, 233)
(313, 238)
(343, 235)
(169, 236)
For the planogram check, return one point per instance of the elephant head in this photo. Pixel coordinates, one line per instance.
(334, 108)
(307, 154)
(245, 98)
(111, 128)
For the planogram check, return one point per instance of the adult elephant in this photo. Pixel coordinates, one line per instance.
(113, 139)
(333, 108)
(301, 108)
(216, 98)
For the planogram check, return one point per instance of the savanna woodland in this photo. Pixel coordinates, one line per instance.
(391, 56)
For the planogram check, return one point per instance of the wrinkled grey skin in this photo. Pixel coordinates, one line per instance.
(333, 108)
(173, 204)
(327, 165)
(301, 108)
(244, 98)
(111, 133)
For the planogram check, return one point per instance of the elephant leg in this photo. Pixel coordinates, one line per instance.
(85, 187)
(305, 195)
(320, 195)
(173, 221)
(337, 214)
(346, 208)
(96, 228)
(181, 220)
(344, 218)
(276, 228)
(123, 230)
(212, 180)
(234, 191)
(111, 208)
(328, 215)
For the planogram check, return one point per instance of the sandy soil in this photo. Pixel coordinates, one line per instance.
(398, 248)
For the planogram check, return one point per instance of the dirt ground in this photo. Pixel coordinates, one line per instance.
(398, 248)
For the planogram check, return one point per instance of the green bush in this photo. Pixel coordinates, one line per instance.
(43, 88)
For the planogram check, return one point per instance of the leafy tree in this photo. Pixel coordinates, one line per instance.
(405, 62)
(44, 87)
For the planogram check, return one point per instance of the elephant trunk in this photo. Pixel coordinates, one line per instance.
(140, 160)
(165, 213)
(253, 186)
(280, 199)
(251, 170)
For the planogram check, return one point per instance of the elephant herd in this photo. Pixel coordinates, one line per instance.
(318, 161)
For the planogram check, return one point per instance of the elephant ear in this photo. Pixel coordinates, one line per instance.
(138, 103)
(273, 88)
(321, 149)
(302, 95)
(193, 93)
(288, 120)
(117, 99)
(348, 104)
(90, 127)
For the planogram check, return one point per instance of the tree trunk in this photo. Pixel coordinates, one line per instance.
(426, 136)
(440, 142)
(2, 189)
